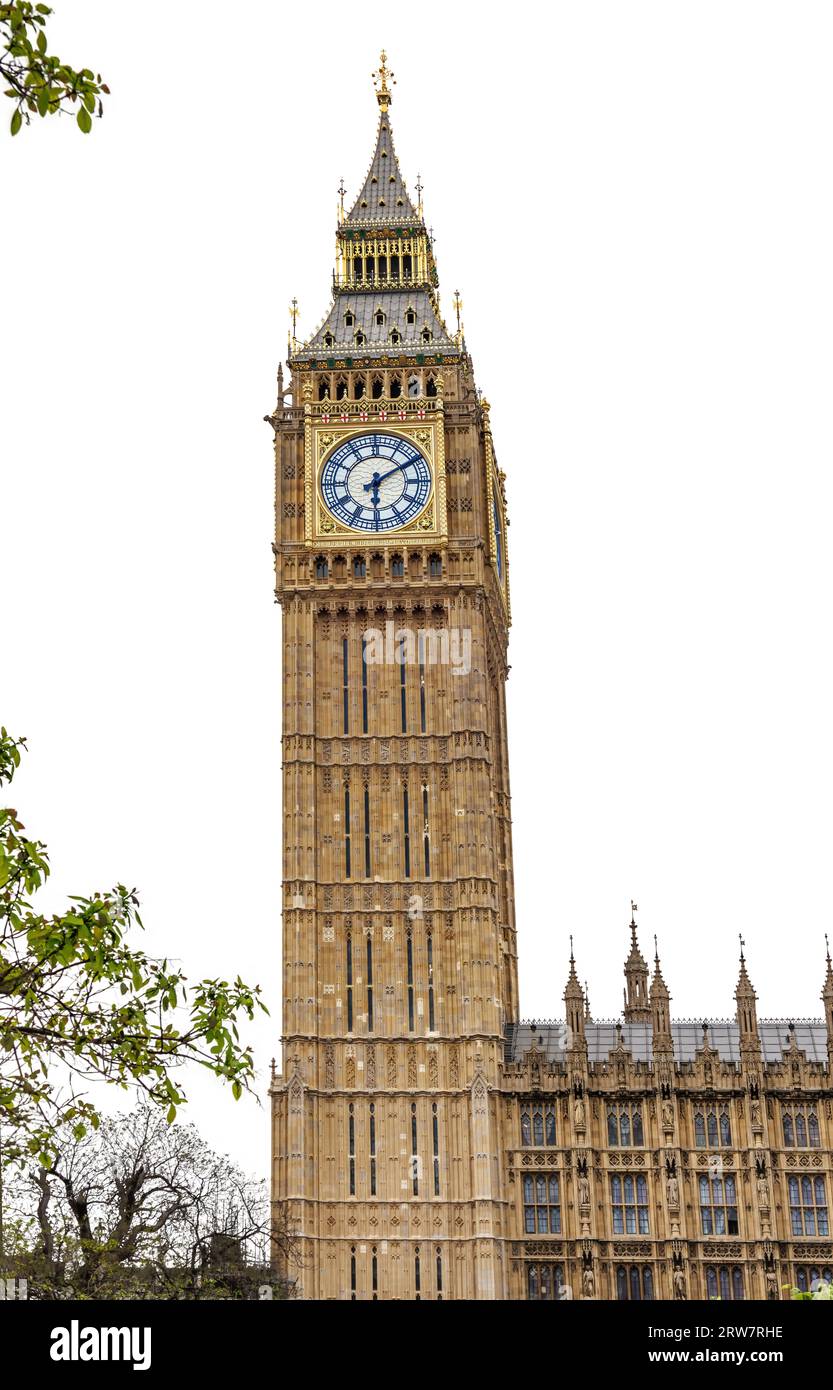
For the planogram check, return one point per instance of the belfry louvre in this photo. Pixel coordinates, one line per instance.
(426, 1142)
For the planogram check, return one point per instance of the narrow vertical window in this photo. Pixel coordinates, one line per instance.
(349, 984)
(372, 1150)
(421, 684)
(353, 1273)
(409, 948)
(431, 1022)
(346, 832)
(351, 1126)
(374, 1273)
(439, 1273)
(367, 832)
(403, 694)
(345, 685)
(364, 685)
(406, 820)
(425, 840)
(369, 985)
(414, 1151)
(417, 1276)
(435, 1130)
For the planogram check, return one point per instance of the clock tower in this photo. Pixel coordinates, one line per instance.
(399, 957)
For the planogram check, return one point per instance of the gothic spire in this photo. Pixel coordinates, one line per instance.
(383, 199)
(660, 1005)
(637, 1008)
(745, 998)
(574, 1001)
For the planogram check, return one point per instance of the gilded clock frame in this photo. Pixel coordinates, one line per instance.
(327, 424)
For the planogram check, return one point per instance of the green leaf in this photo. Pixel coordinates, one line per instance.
(17, 122)
(84, 120)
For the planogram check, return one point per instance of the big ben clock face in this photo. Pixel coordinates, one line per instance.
(376, 482)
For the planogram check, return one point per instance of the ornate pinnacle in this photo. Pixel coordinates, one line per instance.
(383, 80)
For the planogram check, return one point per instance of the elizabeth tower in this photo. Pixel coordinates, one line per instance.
(399, 958)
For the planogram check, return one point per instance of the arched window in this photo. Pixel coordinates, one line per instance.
(395, 387)
(322, 568)
(407, 267)
(634, 1283)
(699, 1129)
(612, 1128)
(542, 1204)
(349, 319)
(737, 1283)
(357, 267)
(410, 316)
(360, 340)
(328, 339)
(380, 317)
(711, 1282)
(396, 336)
(426, 335)
(544, 1281)
(397, 567)
(800, 1130)
(712, 1128)
(353, 1273)
(377, 388)
(431, 386)
(808, 1207)
(718, 1206)
(725, 1128)
(341, 388)
(359, 567)
(439, 1267)
(526, 1127)
(435, 566)
(813, 1130)
(323, 389)
(789, 1132)
(724, 1282)
(358, 387)
(414, 386)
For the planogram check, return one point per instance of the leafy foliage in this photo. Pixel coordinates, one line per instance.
(78, 1002)
(39, 83)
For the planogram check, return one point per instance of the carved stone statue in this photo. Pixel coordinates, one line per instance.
(667, 1114)
(756, 1114)
(584, 1191)
(579, 1114)
(679, 1286)
(771, 1285)
(672, 1188)
(763, 1191)
(589, 1283)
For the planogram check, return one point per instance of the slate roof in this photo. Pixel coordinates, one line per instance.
(810, 1037)
(383, 198)
(364, 305)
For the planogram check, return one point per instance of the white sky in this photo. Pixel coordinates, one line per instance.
(635, 202)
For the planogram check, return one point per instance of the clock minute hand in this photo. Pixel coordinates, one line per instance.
(380, 478)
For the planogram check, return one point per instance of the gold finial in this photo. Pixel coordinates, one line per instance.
(381, 79)
(341, 190)
(293, 314)
(458, 308)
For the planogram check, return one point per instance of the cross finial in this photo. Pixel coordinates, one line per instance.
(341, 190)
(419, 187)
(383, 80)
(656, 950)
(827, 947)
(293, 314)
(742, 944)
(458, 306)
(572, 961)
(634, 910)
